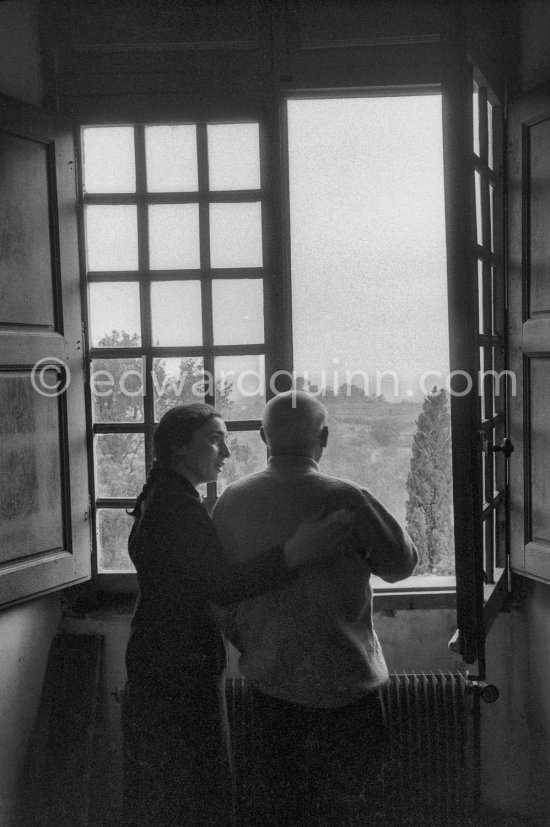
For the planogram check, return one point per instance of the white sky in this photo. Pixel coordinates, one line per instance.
(368, 235)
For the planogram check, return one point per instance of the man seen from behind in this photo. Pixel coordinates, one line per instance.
(308, 650)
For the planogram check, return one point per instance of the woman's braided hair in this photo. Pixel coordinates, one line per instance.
(175, 429)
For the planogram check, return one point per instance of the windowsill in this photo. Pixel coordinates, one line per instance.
(417, 583)
(416, 592)
(113, 591)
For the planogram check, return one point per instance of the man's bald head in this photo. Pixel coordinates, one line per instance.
(295, 423)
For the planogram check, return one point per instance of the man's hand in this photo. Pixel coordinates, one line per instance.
(319, 538)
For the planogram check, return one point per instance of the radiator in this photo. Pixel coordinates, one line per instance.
(431, 772)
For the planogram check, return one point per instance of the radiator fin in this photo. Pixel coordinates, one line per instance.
(430, 772)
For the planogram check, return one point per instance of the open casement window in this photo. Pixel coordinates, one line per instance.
(44, 505)
(368, 287)
(474, 191)
(177, 263)
(529, 318)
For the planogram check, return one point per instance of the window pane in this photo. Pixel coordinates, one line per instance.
(176, 313)
(488, 546)
(485, 297)
(174, 237)
(114, 314)
(484, 473)
(248, 455)
(176, 381)
(109, 159)
(491, 209)
(234, 156)
(480, 301)
(479, 217)
(493, 310)
(240, 386)
(490, 133)
(367, 245)
(111, 237)
(120, 464)
(171, 158)
(116, 387)
(486, 382)
(236, 235)
(113, 529)
(238, 309)
(500, 536)
(482, 385)
(475, 113)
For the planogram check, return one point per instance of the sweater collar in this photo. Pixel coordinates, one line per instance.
(180, 481)
(292, 461)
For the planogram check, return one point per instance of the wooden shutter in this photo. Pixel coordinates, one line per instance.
(529, 319)
(44, 533)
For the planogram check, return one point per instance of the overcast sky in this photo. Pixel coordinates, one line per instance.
(368, 235)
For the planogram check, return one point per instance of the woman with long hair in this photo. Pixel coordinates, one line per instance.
(175, 771)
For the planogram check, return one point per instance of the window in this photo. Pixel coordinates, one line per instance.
(495, 382)
(178, 270)
(370, 326)
(472, 141)
(176, 266)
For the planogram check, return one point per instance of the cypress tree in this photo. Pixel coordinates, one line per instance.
(429, 488)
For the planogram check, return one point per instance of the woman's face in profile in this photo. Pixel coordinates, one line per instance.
(202, 459)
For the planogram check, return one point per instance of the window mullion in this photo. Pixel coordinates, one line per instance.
(206, 278)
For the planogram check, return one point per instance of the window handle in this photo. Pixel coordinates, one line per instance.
(506, 447)
(488, 692)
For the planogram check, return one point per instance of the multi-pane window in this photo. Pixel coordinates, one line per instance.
(175, 262)
(177, 266)
(494, 381)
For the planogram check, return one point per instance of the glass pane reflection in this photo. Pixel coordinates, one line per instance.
(171, 158)
(176, 313)
(248, 455)
(117, 390)
(475, 113)
(176, 381)
(120, 464)
(240, 386)
(238, 309)
(234, 156)
(113, 528)
(174, 236)
(111, 237)
(236, 235)
(114, 314)
(109, 159)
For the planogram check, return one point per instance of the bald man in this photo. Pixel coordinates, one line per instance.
(309, 650)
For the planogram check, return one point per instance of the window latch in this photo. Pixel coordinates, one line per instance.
(506, 447)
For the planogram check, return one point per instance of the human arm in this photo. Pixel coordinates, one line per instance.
(179, 545)
(389, 550)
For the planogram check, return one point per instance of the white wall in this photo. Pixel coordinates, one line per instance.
(26, 633)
